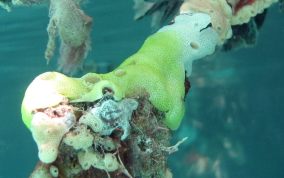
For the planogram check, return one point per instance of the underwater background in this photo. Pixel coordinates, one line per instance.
(234, 108)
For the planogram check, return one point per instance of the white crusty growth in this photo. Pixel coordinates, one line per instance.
(196, 36)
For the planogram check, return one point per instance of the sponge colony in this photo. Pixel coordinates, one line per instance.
(48, 132)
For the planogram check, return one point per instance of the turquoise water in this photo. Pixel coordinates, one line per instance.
(236, 97)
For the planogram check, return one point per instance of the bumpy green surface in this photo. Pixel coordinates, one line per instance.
(153, 69)
(157, 68)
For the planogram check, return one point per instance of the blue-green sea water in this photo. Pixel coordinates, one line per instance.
(234, 110)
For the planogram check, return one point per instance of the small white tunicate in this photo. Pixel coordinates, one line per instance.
(111, 163)
(48, 152)
(108, 144)
(54, 171)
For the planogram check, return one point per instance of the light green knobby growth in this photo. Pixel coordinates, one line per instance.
(157, 68)
(50, 88)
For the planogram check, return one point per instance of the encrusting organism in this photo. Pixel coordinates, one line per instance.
(99, 121)
(158, 67)
(103, 104)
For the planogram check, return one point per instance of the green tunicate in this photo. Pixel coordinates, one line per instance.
(157, 68)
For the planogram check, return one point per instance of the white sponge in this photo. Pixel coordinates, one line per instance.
(80, 138)
(48, 152)
(90, 120)
(47, 133)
